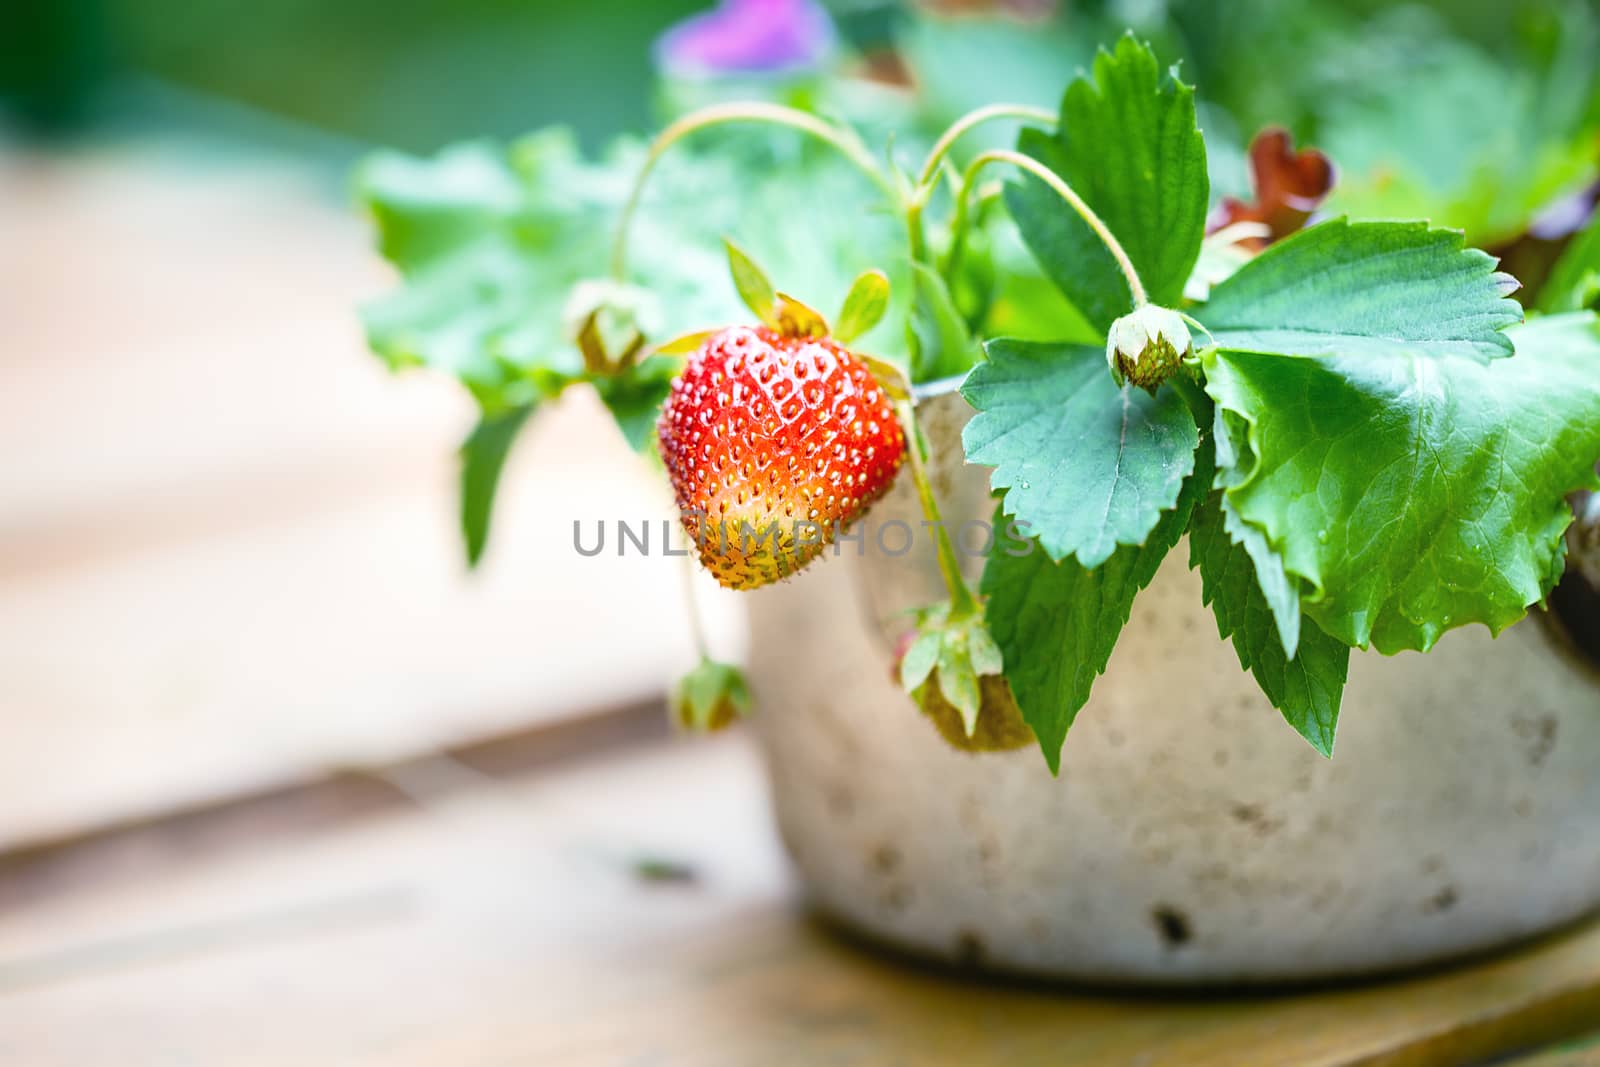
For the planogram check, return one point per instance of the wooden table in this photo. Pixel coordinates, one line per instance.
(279, 784)
(631, 908)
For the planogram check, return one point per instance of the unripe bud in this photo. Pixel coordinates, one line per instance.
(710, 697)
(1146, 345)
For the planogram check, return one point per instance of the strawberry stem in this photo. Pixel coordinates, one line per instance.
(1060, 188)
(926, 179)
(691, 607)
(962, 602)
(721, 114)
(970, 120)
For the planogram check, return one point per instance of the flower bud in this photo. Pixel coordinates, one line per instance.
(609, 321)
(1146, 346)
(710, 697)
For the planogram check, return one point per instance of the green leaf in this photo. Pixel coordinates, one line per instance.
(1574, 281)
(1024, 304)
(1410, 494)
(1057, 623)
(864, 306)
(1306, 686)
(941, 345)
(751, 281)
(1086, 465)
(425, 209)
(491, 240)
(1279, 592)
(634, 397)
(1127, 143)
(1384, 288)
(483, 456)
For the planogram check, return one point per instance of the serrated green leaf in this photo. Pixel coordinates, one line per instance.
(941, 345)
(1086, 465)
(1306, 685)
(864, 306)
(1280, 592)
(1128, 144)
(1366, 287)
(1057, 623)
(490, 241)
(483, 456)
(754, 288)
(1413, 494)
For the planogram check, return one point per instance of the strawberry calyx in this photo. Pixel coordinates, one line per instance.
(609, 322)
(1146, 346)
(710, 697)
(952, 668)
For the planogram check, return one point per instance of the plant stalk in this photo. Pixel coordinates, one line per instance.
(1061, 189)
(971, 120)
(722, 114)
(926, 178)
(962, 602)
(691, 607)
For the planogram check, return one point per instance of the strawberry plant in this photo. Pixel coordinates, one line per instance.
(1361, 439)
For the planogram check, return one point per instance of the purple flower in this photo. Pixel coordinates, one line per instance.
(747, 36)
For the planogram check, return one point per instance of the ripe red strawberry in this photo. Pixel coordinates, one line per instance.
(774, 443)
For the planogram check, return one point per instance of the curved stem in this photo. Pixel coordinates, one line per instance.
(1061, 189)
(962, 602)
(1235, 232)
(691, 607)
(941, 148)
(971, 119)
(721, 114)
(1197, 324)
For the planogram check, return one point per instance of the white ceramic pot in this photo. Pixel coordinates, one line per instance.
(1192, 835)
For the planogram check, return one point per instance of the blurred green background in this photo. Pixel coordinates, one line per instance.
(1475, 113)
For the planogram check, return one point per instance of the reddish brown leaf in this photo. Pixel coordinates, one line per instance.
(1289, 186)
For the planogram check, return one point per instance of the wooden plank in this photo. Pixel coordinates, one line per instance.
(511, 925)
(228, 558)
(1582, 1052)
(136, 847)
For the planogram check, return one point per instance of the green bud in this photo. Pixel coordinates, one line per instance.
(1145, 346)
(710, 697)
(609, 321)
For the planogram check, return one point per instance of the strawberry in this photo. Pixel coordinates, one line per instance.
(775, 439)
